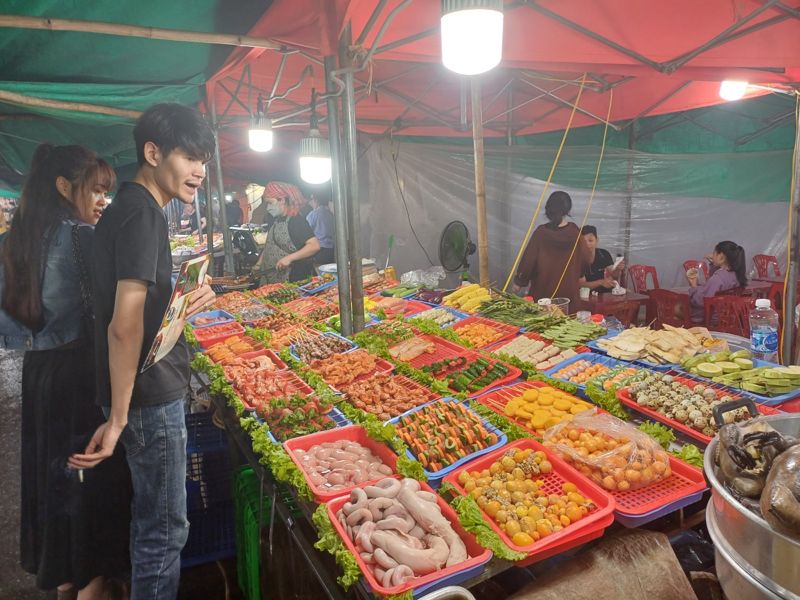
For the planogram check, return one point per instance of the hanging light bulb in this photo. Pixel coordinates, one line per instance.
(732, 90)
(472, 35)
(315, 151)
(260, 133)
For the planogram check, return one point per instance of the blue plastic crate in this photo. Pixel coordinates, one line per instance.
(588, 356)
(212, 536)
(335, 414)
(208, 480)
(211, 313)
(460, 316)
(202, 435)
(435, 477)
(322, 288)
(353, 345)
(760, 398)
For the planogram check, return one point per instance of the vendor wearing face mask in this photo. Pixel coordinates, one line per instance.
(290, 241)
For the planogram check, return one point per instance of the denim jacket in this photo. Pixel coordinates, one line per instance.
(61, 296)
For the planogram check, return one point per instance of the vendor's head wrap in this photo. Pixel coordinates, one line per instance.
(290, 194)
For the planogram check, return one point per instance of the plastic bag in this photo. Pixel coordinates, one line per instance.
(428, 278)
(610, 452)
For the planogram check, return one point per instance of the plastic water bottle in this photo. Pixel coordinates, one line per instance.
(764, 331)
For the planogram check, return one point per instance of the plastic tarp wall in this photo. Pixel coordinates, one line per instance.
(675, 215)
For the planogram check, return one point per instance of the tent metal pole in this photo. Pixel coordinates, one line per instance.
(521, 104)
(462, 105)
(793, 259)
(200, 233)
(370, 22)
(338, 179)
(570, 104)
(25, 100)
(480, 182)
(350, 154)
(629, 196)
(658, 103)
(226, 233)
(209, 225)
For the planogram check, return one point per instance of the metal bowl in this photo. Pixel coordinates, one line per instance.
(770, 558)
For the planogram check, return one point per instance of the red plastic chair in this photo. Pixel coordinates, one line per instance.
(670, 308)
(639, 275)
(763, 262)
(729, 314)
(701, 265)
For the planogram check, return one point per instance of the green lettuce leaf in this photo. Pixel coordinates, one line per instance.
(511, 429)
(330, 541)
(689, 453)
(661, 433)
(606, 400)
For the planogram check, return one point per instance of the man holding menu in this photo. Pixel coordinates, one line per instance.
(132, 288)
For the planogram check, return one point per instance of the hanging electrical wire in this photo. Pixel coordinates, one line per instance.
(591, 195)
(546, 183)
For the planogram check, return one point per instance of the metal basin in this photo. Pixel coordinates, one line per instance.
(748, 543)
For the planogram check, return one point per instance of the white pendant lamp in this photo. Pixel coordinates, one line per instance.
(315, 159)
(732, 90)
(472, 35)
(260, 133)
(315, 151)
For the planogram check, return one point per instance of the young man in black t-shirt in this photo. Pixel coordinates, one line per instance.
(132, 286)
(599, 276)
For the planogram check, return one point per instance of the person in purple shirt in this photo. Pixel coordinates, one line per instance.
(727, 271)
(322, 222)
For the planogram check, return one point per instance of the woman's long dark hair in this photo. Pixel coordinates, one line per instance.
(41, 209)
(734, 255)
(557, 207)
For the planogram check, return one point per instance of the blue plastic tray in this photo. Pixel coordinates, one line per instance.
(454, 579)
(588, 356)
(211, 313)
(435, 477)
(406, 297)
(460, 316)
(353, 345)
(761, 399)
(641, 363)
(335, 414)
(304, 288)
(631, 521)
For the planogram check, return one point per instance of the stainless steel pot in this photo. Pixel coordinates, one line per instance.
(750, 548)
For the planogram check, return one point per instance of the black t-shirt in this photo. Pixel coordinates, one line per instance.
(300, 232)
(131, 241)
(602, 259)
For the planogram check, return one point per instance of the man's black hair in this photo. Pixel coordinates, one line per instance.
(170, 126)
(587, 229)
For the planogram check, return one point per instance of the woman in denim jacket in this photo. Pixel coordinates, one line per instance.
(74, 526)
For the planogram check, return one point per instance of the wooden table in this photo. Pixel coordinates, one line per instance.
(600, 303)
(755, 288)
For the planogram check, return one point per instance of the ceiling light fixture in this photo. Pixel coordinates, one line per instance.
(732, 90)
(472, 35)
(260, 133)
(315, 151)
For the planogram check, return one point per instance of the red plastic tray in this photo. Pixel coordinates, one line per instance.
(569, 536)
(208, 336)
(409, 307)
(353, 433)
(408, 384)
(381, 366)
(622, 395)
(298, 386)
(497, 346)
(478, 554)
(503, 395)
(505, 331)
(684, 481)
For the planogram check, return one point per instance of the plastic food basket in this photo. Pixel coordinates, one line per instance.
(459, 316)
(225, 317)
(568, 537)
(213, 334)
(623, 394)
(352, 433)
(352, 344)
(504, 331)
(478, 556)
(334, 414)
(590, 357)
(309, 292)
(405, 382)
(435, 477)
(297, 386)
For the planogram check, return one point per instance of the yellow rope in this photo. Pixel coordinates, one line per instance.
(788, 311)
(591, 195)
(546, 184)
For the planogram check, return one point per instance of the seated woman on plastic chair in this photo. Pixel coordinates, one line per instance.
(727, 271)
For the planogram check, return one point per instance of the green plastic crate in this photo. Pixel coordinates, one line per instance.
(248, 533)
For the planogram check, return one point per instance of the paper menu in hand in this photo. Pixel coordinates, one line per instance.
(191, 276)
